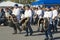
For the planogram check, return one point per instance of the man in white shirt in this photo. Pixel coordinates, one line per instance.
(28, 14)
(39, 13)
(16, 11)
(35, 16)
(55, 14)
(48, 14)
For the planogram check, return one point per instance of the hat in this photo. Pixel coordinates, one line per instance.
(28, 6)
(52, 7)
(38, 7)
(16, 5)
(48, 6)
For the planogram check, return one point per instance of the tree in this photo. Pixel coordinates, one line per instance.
(17, 1)
(27, 1)
(22, 1)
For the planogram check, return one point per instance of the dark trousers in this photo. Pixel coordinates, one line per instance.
(40, 25)
(55, 25)
(28, 28)
(16, 26)
(48, 31)
(35, 20)
(2, 20)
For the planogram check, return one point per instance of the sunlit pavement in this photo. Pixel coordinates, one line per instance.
(6, 34)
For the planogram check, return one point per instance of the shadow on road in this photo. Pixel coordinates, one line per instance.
(56, 32)
(57, 38)
(40, 33)
(25, 32)
(58, 28)
(37, 34)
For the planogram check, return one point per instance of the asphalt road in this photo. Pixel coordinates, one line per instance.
(6, 34)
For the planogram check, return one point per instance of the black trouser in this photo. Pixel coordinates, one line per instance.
(28, 28)
(48, 31)
(40, 25)
(16, 26)
(55, 25)
(35, 20)
(2, 20)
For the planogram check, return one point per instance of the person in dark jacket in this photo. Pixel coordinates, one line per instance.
(2, 16)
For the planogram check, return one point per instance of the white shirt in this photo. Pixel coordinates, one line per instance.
(39, 13)
(16, 11)
(7, 14)
(35, 12)
(48, 14)
(55, 13)
(22, 16)
(28, 13)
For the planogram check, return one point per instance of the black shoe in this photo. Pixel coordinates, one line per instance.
(31, 34)
(20, 32)
(26, 35)
(46, 39)
(51, 38)
(56, 31)
(41, 31)
(14, 33)
(38, 30)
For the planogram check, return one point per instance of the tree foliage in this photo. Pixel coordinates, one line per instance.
(22, 1)
(27, 1)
